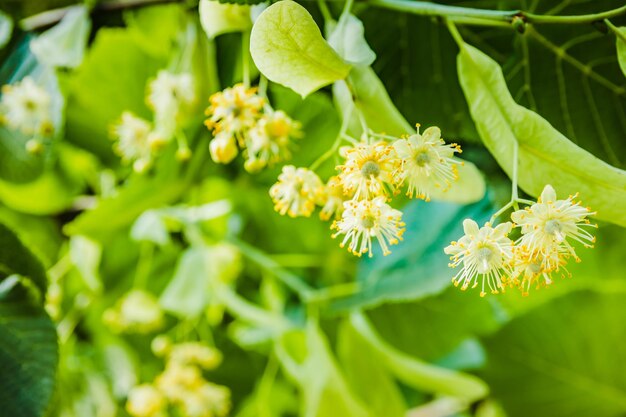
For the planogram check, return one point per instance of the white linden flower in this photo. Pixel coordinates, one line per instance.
(195, 353)
(363, 220)
(427, 162)
(547, 224)
(168, 94)
(269, 140)
(333, 198)
(26, 107)
(223, 148)
(296, 192)
(535, 269)
(145, 401)
(234, 110)
(136, 312)
(208, 400)
(485, 252)
(368, 168)
(134, 137)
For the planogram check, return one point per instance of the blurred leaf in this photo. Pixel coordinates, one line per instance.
(307, 359)
(6, 29)
(15, 258)
(289, 49)
(448, 319)
(28, 355)
(560, 359)
(150, 227)
(347, 39)
(417, 267)
(545, 155)
(367, 377)
(187, 293)
(156, 29)
(243, 1)
(218, 18)
(64, 44)
(621, 49)
(85, 255)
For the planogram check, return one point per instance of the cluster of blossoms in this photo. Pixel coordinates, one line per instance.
(489, 258)
(137, 311)
(239, 118)
(138, 141)
(26, 107)
(375, 169)
(181, 387)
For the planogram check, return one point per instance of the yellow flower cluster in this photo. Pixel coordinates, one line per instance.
(181, 386)
(139, 141)
(489, 258)
(136, 312)
(241, 119)
(375, 170)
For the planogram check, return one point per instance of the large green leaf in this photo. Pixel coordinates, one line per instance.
(288, 48)
(382, 396)
(621, 49)
(417, 267)
(15, 258)
(28, 355)
(562, 359)
(545, 155)
(308, 360)
(431, 328)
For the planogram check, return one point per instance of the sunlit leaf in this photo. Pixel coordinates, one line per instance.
(545, 155)
(288, 48)
(218, 18)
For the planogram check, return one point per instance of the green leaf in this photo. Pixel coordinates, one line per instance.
(86, 254)
(156, 29)
(545, 155)
(64, 44)
(150, 227)
(218, 18)
(186, 294)
(621, 49)
(417, 267)
(404, 325)
(383, 396)
(15, 258)
(288, 48)
(560, 359)
(307, 359)
(6, 29)
(371, 99)
(348, 40)
(28, 355)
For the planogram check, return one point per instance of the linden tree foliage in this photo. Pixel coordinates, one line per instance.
(275, 209)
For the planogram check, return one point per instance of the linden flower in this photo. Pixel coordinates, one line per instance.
(134, 137)
(208, 400)
(168, 92)
(268, 141)
(176, 381)
(296, 192)
(363, 220)
(26, 107)
(547, 224)
(145, 401)
(223, 148)
(332, 199)
(427, 162)
(137, 312)
(367, 169)
(485, 252)
(194, 353)
(535, 269)
(234, 110)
